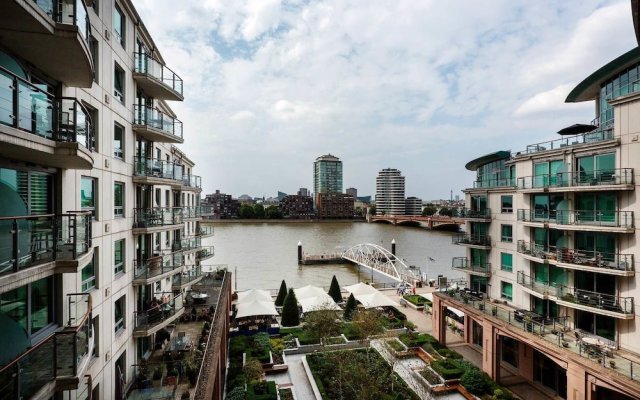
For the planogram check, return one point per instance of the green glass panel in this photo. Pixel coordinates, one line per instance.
(86, 192)
(557, 276)
(41, 298)
(13, 304)
(541, 273)
(506, 261)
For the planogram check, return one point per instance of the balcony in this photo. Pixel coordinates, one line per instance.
(599, 180)
(157, 80)
(46, 244)
(153, 171)
(42, 129)
(52, 35)
(61, 359)
(155, 125)
(151, 321)
(204, 230)
(147, 220)
(191, 212)
(191, 243)
(157, 268)
(479, 215)
(596, 136)
(472, 240)
(186, 279)
(192, 181)
(597, 303)
(463, 264)
(584, 220)
(205, 253)
(494, 183)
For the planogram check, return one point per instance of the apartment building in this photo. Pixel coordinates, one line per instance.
(390, 192)
(551, 250)
(99, 207)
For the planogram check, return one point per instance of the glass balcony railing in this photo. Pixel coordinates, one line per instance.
(610, 219)
(192, 181)
(192, 243)
(153, 118)
(68, 12)
(168, 306)
(153, 168)
(598, 135)
(619, 176)
(187, 277)
(191, 212)
(61, 355)
(464, 264)
(204, 230)
(206, 252)
(145, 64)
(490, 183)
(156, 216)
(606, 260)
(474, 214)
(31, 109)
(157, 265)
(27, 241)
(472, 239)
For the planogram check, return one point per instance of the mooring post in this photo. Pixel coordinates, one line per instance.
(393, 247)
(300, 252)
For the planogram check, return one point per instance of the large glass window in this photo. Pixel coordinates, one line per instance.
(88, 195)
(600, 244)
(118, 256)
(118, 313)
(88, 275)
(118, 199)
(600, 325)
(506, 291)
(510, 350)
(506, 262)
(545, 206)
(506, 204)
(592, 207)
(598, 168)
(478, 257)
(546, 308)
(506, 233)
(547, 173)
(495, 174)
(29, 307)
(118, 141)
(119, 23)
(118, 83)
(479, 283)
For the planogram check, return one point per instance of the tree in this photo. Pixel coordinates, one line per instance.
(272, 212)
(429, 210)
(322, 323)
(474, 381)
(290, 315)
(372, 210)
(350, 307)
(446, 211)
(282, 293)
(367, 323)
(246, 211)
(334, 290)
(258, 210)
(253, 370)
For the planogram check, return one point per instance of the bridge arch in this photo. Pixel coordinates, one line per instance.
(382, 261)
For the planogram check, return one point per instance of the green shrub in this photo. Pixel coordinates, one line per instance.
(350, 307)
(282, 293)
(395, 345)
(447, 369)
(415, 299)
(236, 393)
(237, 344)
(413, 339)
(474, 381)
(290, 315)
(334, 290)
(450, 353)
(265, 390)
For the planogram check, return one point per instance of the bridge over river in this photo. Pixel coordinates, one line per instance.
(430, 222)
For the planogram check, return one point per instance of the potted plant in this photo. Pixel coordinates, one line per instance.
(494, 311)
(612, 364)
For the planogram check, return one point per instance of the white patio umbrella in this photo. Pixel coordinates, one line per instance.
(376, 299)
(256, 307)
(323, 302)
(254, 294)
(308, 291)
(360, 288)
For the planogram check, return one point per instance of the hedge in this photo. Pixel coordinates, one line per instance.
(272, 392)
(447, 369)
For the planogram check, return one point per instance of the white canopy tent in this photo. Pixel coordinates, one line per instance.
(255, 308)
(254, 294)
(377, 299)
(308, 291)
(323, 302)
(457, 312)
(360, 288)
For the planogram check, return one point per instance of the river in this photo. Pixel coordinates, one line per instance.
(263, 254)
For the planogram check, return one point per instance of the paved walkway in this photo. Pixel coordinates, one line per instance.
(297, 375)
(403, 368)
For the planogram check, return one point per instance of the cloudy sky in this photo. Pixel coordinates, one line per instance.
(419, 85)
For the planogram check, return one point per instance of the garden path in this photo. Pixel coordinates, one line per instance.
(422, 320)
(298, 377)
(403, 368)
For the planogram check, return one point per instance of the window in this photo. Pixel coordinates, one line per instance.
(119, 23)
(118, 141)
(95, 330)
(507, 204)
(89, 274)
(506, 233)
(118, 199)
(118, 83)
(31, 306)
(88, 195)
(506, 291)
(118, 314)
(118, 256)
(94, 49)
(506, 262)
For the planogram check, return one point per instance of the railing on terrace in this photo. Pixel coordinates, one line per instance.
(206, 252)
(68, 12)
(589, 258)
(192, 212)
(597, 135)
(615, 176)
(168, 307)
(152, 167)
(145, 64)
(615, 219)
(206, 230)
(153, 118)
(28, 107)
(464, 264)
(192, 181)
(191, 243)
(36, 239)
(552, 331)
(156, 216)
(157, 265)
(471, 213)
(61, 355)
(490, 183)
(186, 277)
(533, 249)
(472, 239)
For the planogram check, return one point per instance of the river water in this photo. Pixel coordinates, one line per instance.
(262, 254)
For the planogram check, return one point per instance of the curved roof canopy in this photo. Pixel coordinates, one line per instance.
(635, 12)
(473, 165)
(589, 88)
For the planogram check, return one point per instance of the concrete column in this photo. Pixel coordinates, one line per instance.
(491, 351)
(577, 382)
(438, 321)
(468, 329)
(525, 361)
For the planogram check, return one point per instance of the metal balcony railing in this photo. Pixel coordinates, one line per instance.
(168, 306)
(464, 264)
(192, 181)
(477, 214)
(145, 64)
(533, 249)
(597, 135)
(29, 108)
(489, 183)
(614, 176)
(157, 265)
(191, 212)
(593, 258)
(151, 167)
(156, 216)
(612, 219)
(206, 252)
(153, 118)
(68, 12)
(472, 239)
(187, 277)
(36, 239)
(204, 230)
(61, 355)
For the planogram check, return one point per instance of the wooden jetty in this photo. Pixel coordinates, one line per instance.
(309, 259)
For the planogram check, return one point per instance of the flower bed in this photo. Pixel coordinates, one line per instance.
(285, 394)
(396, 345)
(415, 339)
(431, 377)
(265, 390)
(447, 369)
(415, 299)
(299, 333)
(334, 340)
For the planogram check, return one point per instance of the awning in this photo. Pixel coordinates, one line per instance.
(377, 299)
(360, 288)
(322, 302)
(456, 311)
(254, 294)
(255, 308)
(308, 291)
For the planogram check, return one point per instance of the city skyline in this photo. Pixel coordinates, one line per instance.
(271, 85)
